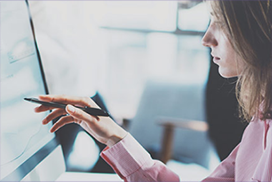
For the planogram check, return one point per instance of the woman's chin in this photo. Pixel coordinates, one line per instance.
(226, 73)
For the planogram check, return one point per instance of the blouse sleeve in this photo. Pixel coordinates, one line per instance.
(133, 163)
(225, 172)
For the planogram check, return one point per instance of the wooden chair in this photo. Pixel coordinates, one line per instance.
(169, 125)
(169, 122)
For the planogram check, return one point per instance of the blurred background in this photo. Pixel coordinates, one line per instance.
(115, 47)
(146, 61)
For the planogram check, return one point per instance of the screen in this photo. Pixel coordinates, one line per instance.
(23, 136)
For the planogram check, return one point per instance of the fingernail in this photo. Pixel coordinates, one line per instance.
(71, 108)
(35, 109)
(44, 122)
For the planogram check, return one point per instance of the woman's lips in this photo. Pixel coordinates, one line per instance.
(216, 59)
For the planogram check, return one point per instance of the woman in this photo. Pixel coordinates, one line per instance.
(239, 36)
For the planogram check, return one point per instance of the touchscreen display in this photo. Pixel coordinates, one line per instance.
(22, 132)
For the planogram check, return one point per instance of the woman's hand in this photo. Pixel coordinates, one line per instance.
(104, 129)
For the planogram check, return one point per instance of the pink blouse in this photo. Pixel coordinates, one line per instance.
(251, 160)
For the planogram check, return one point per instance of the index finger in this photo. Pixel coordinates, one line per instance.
(73, 100)
(43, 108)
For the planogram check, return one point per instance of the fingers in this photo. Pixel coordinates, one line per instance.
(56, 113)
(60, 123)
(76, 116)
(79, 114)
(43, 108)
(80, 101)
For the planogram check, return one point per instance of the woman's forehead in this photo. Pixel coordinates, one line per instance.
(213, 7)
(210, 7)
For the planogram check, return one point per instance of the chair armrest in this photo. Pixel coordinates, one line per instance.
(169, 124)
(183, 123)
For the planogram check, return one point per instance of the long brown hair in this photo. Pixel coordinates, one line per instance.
(249, 29)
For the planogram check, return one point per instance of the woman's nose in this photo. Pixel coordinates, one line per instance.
(209, 40)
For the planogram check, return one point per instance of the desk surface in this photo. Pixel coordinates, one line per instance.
(78, 176)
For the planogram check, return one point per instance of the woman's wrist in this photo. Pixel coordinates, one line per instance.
(116, 137)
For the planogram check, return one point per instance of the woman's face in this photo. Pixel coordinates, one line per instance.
(229, 62)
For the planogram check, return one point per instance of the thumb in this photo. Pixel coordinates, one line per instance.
(78, 113)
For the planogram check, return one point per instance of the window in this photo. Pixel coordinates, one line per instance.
(150, 40)
(119, 45)
(138, 15)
